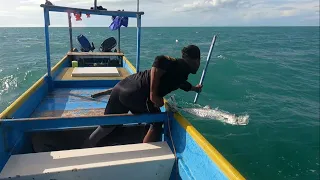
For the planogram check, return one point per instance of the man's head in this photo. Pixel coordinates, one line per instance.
(191, 54)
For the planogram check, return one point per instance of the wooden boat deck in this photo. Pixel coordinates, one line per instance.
(66, 75)
(72, 102)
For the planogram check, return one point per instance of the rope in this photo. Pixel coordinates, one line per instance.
(174, 148)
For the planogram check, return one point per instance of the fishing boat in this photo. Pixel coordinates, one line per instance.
(41, 132)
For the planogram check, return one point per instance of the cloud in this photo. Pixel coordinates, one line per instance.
(173, 13)
(210, 4)
(287, 13)
(28, 8)
(251, 8)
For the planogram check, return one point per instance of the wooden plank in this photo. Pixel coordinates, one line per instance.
(95, 72)
(95, 54)
(134, 161)
(66, 74)
(65, 104)
(49, 123)
(84, 83)
(71, 102)
(69, 113)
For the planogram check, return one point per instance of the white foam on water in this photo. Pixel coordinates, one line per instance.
(221, 57)
(220, 115)
(214, 114)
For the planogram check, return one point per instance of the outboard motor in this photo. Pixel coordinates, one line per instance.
(108, 44)
(85, 44)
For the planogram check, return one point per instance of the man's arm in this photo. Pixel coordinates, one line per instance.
(156, 74)
(186, 86)
(159, 67)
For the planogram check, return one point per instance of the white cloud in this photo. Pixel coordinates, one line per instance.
(172, 13)
(291, 12)
(28, 8)
(214, 4)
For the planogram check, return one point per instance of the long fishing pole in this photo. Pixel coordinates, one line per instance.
(206, 66)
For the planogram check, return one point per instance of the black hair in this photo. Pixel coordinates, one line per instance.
(191, 51)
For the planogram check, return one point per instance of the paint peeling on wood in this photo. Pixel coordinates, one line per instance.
(70, 113)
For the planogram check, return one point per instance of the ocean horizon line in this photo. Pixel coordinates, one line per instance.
(159, 26)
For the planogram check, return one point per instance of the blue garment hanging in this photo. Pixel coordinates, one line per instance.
(118, 22)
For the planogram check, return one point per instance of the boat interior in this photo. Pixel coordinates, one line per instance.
(42, 132)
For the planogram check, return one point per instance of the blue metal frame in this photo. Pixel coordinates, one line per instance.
(94, 12)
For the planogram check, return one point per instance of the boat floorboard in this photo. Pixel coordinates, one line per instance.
(66, 75)
(72, 102)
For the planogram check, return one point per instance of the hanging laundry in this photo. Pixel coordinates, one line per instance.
(77, 16)
(118, 22)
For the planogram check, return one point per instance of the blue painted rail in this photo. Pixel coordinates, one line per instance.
(41, 124)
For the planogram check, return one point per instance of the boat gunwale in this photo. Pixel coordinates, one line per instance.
(15, 105)
(224, 165)
(212, 153)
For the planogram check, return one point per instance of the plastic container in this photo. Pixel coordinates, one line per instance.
(74, 64)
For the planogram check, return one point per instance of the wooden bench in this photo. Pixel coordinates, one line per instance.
(95, 54)
(135, 162)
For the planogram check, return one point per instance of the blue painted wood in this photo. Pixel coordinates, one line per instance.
(11, 141)
(138, 42)
(88, 11)
(54, 105)
(37, 124)
(32, 102)
(77, 91)
(84, 83)
(125, 65)
(4, 154)
(66, 63)
(47, 37)
(206, 66)
(193, 163)
(71, 99)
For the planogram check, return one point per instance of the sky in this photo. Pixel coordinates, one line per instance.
(171, 13)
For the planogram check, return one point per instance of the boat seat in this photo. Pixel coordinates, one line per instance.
(135, 161)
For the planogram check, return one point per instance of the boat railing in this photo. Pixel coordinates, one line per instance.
(59, 123)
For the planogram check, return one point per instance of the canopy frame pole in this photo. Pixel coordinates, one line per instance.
(119, 40)
(95, 4)
(47, 38)
(137, 5)
(138, 42)
(70, 31)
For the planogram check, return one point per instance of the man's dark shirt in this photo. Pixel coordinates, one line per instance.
(136, 88)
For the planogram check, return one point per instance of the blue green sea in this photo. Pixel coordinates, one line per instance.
(268, 73)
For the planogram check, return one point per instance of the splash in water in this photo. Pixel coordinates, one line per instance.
(226, 117)
(209, 113)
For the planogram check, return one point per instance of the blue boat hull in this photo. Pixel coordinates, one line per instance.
(68, 106)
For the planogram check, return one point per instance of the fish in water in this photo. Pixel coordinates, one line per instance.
(209, 113)
(226, 117)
